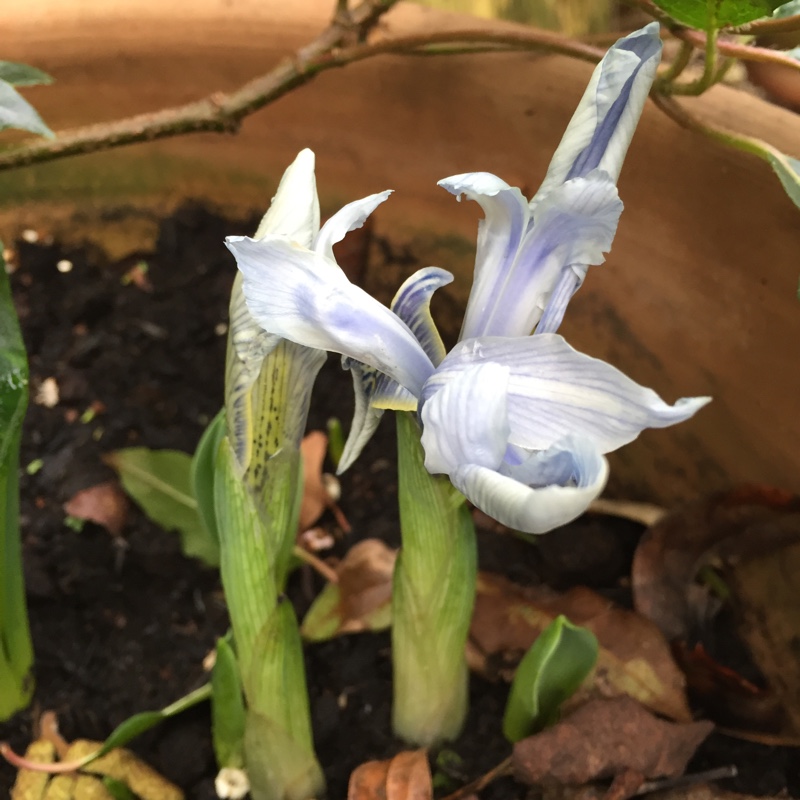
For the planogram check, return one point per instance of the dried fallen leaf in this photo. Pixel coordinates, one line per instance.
(634, 658)
(672, 552)
(104, 504)
(120, 764)
(606, 739)
(760, 569)
(751, 536)
(361, 600)
(407, 776)
(317, 489)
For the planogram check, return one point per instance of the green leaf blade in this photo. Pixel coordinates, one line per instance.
(721, 14)
(551, 671)
(22, 74)
(17, 112)
(227, 708)
(160, 482)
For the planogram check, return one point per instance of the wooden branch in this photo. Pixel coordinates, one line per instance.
(223, 113)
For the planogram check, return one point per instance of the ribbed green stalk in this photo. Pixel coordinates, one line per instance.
(433, 595)
(16, 650)
(258, 488)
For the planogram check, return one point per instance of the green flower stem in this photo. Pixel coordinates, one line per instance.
(16, 650)
(433, 595)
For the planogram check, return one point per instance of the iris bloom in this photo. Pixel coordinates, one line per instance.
(520, 423)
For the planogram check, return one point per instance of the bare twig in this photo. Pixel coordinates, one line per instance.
(224, 112)
(219, 112)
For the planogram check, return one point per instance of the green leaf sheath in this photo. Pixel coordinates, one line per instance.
(720, 13)
(433, 595)
(227, 708)
(16, 650)
(202, 471)
(552, 670)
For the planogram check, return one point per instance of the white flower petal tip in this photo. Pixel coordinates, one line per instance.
(474, 184)
(294, 211)
(601, 129)
(529, 507)
(348, 218)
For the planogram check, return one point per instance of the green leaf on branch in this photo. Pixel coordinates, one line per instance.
(22, 75)
(719, 14)
(160, 482)
(552, 670)
(788, 172)
(17, 112)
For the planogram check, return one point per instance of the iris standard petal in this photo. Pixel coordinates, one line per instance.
(538, 508)
(575, 224)
(412, 304)
(553, 390)
(294, 212)
(602, 127)
(466, 420)
(499, 236)
(346, 219)
(295, 293)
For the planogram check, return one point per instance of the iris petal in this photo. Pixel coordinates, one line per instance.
(601, 129)
(412, 304)
(554, 390)
(466, 420)
(294, 212)
(348, 218)
(294, 293)
(539, 508)
(499, 236)
(574, 224)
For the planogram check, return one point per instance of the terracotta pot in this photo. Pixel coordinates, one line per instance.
(697, 297)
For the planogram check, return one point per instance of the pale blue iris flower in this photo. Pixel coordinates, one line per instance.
(520, 423)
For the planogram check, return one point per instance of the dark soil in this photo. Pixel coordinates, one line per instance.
(122, 625)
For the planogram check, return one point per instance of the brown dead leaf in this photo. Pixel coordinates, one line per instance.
(760, 569)
(634, 658)
(671, 553)
(104, 504)
(360, 600)
(727, 697)
(407, 776)
(316, 492)
(751, 537)
(607, 739)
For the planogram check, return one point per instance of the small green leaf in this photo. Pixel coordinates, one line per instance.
(335, 440)
(17, 112)
(227, 708)
(22, 75)
(139, 723)
(202, 473)
(117, 789)
(160, 482)
(720, 14)
(788, 172)
(551, 671)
